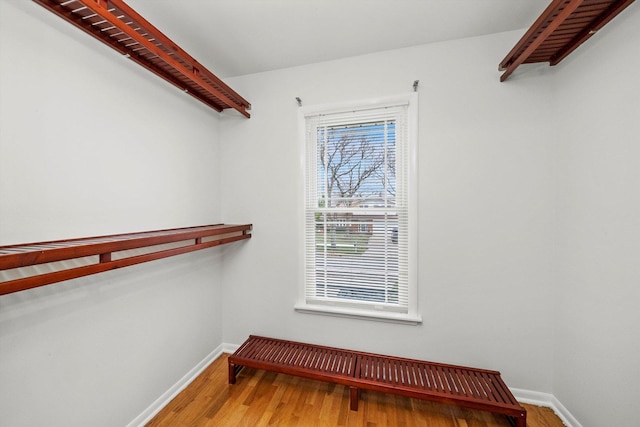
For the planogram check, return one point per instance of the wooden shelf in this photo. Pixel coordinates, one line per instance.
(107, 251)
(562, 27)
(116, 24)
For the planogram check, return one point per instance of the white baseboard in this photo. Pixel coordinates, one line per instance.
(168, 396)
(564, 413)
(532, 397)
(547, 400)
(229, 348)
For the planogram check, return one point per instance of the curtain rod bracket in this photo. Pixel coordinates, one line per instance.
(415, 85)
(299, 101)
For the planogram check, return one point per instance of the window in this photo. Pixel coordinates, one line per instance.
(359, 210)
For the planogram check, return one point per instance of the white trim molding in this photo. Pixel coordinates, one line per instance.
(359, 314)
(229, 348)
(170, 394)
(547, 400)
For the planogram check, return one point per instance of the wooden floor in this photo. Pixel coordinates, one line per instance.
(263, 398)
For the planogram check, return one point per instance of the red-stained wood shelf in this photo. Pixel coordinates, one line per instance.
(561, 28)
(117, 25)
(108, 254)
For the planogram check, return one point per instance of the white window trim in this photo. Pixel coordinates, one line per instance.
(412, 317)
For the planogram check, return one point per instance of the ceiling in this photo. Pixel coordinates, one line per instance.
(238, 37)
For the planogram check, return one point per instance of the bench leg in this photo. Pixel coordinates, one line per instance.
(355, 396)
(520, 421)
(232, 373)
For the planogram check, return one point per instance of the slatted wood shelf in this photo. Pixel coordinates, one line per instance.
(463, 386)
(108, 252)
(117, 25)
(561, 28)
(293, 358)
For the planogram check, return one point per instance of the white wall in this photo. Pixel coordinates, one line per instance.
(597, 340)
(486, 207)
(92, 144)
(528, 233)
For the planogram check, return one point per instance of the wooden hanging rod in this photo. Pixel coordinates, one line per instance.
(116, 24)
(105, 247)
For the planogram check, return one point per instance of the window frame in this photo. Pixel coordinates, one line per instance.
(412, 316)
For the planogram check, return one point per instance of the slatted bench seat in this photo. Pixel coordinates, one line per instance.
(293, 358)
(455, 385)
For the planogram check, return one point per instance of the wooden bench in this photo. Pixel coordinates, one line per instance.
(455, 385)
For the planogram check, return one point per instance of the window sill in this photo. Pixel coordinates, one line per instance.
(405, 319)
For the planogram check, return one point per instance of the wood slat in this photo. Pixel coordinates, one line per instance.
(277, 353)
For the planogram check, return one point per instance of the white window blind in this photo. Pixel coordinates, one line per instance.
(357, 209)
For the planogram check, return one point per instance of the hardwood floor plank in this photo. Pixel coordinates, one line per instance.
(267, 399)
